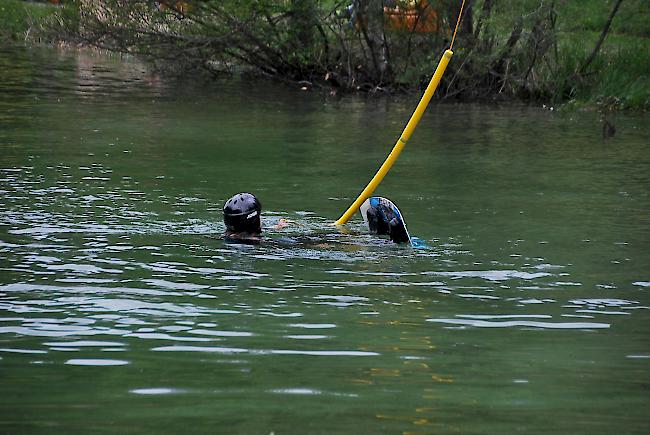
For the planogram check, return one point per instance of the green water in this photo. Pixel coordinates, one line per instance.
(526, 312)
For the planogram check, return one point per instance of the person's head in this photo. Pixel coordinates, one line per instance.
(377, 221)
(382, 220)
(241, 214)
(397, 231)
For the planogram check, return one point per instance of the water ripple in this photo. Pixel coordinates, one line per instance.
(232, 350)
(491, 275)
(83, 343)
(96, 362)
(156, 391)
(521, 323)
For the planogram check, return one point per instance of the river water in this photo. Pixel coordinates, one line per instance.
(122, 311)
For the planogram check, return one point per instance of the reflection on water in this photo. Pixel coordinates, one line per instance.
(526, 309)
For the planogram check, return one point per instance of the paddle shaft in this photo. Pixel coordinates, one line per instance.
(406, 134)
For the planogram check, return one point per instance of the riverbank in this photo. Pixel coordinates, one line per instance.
(551, 55)
(620, 71)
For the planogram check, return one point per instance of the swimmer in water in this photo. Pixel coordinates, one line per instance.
(242, 217)
(241, 214)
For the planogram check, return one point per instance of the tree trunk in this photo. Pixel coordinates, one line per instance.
(486, 10)
(371, 14)
(593, 54)
(303, 21)
(466, 23)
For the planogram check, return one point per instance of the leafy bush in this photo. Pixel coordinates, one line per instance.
(536, 50)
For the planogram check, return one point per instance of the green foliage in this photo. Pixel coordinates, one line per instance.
(18, 17)
(620, 79)
(632, 19)
(536, 50)
(549, 61)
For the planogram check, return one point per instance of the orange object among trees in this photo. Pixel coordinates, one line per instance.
(416, 16)
(180, 6)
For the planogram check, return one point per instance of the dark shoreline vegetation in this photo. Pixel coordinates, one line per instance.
(590, 54)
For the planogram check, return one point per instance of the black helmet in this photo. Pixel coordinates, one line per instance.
(241, 214)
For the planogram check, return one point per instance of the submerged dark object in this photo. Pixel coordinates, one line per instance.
(609, 130)
(241, 214)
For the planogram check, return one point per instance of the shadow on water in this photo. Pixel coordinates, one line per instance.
(527, 308)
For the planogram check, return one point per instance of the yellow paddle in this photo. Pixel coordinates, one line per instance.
(406, 134)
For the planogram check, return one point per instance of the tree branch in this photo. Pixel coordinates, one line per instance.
(594, 53)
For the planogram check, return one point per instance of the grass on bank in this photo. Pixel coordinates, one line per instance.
(17, 18)
(619, 76)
